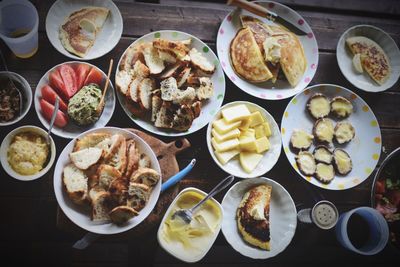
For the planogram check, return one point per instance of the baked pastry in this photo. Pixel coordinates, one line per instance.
(324, 173)
(253, 216)
(318, 106)
(323, 130)
(341, 107)
(342, 161)
(344, 132)
(373, 58)
(301, 140)
(306, 163)
(323, 154)
(80, 29)
(247, 59)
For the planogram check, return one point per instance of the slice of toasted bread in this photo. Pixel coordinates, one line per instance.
(133, 89)
(138, 195)
(171, 70)
(101, 208)
(185, 97)
(114, 144)
(183, 76)
(193, 80)
(200, 62)
(153, 61)
(133, 158)
(130, 57)
(90, 140)
(119, 190)
(196, 108)
(106, 174)
(145, 176)
(119, 160)
(87, 157)
(121, 214)
(140, 70)
(168, 89)
(164, 116)
(123, 79)
(178, 48)
(156, 103)
(206, 89)
(145, 89)
(167, 56)
(94, 192)
(144, 161)
(76, 183)
(183, 119)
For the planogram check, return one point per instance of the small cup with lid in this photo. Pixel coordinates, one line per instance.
(323, 214)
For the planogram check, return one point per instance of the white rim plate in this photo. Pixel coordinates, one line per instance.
(106, 40)
(209, 107)
(72, 130)
(81, 215)
(281, 89)
(345, 58)
(283, 218)
(364, 149)
(270, 157)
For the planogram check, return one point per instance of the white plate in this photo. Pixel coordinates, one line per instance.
(345, 58)
(270, 157)
(282, 215)
(209, 107)
(364, 149)
(81, 215)
(72, 130)
(267, 90)
(106, 40)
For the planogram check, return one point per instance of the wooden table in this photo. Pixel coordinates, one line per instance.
(28, 209)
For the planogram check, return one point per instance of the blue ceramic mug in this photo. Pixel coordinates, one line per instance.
(377, 234)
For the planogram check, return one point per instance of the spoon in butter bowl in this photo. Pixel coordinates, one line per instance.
(187, 214)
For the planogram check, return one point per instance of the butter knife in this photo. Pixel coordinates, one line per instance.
(265, 13)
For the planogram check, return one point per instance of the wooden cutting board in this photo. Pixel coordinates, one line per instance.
(166, 155)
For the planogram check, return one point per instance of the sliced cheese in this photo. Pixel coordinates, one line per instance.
(262, 144)
(256, 119)
(226, 145)
(260, 131)
(249, 132)
(247, 143)
(222, 127)
(245, 124)
(226, 156)
(267, 129)
(249, 160)
(236, 113)
(222, 137)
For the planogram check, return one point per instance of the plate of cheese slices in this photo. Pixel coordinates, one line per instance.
(84, 30)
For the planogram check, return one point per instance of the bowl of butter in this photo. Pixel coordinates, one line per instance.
(190, 242)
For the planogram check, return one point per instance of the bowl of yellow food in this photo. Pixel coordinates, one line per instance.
(25, 154)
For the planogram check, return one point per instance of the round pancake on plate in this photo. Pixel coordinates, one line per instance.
(247, 59)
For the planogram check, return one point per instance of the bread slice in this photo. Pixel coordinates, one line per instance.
(85, 158)
(133, 158)
(121, 214)
(145, 89)
(183, 119)
(119, 190)
(168, 89)
(138, 195)
(200, 62)
(144, 161)
(90, 140)
(145, 176)
(171, 70)
(184, 97)
(196, 108)
(119, 160)
(183, 76)
(206, 89)
(178, 48)
(113, 146)
(130, 57)
(167, 56)
(164, 116)
(123, 79)
(94, 192)
(106, 174)
(76, 183)
(156, 103)
(133, 89)
(101, 208)
(140, 70)
(153, 61)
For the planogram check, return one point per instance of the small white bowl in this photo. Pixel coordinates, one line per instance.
(345, 58)
(270, 157)
(177, 250)
(26, 92)
(6, 144)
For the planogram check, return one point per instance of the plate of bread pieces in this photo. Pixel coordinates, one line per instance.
(263, 58)
(260, 218)
(84, 30)
(170, 83)
(107, 180)
(369, 58)
(331, 137)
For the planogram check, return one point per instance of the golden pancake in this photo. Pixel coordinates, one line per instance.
(246, 57)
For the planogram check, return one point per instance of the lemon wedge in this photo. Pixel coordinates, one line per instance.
(357, 63)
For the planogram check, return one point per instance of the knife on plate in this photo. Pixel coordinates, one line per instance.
(265, 13)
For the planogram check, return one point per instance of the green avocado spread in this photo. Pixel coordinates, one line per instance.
(82, 106)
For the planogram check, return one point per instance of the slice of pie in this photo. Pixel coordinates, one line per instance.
(253, 216)
(81, 28)
(373, 59)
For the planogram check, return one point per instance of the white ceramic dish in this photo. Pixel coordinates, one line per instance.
(26, 92)
(209, 107)
(282, 215)
(81, 215)
(270, 157)
(364, 149)
(106, 40)
(345, 58)
(177, 250)
(72, 130)
(267, 90)
(6, 144)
